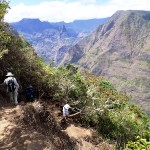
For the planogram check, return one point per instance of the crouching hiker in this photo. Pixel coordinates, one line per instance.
(68, 112)
(12, 87)
(66, 108)
(64, 121)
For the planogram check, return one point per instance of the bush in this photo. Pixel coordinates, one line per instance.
(139, 144)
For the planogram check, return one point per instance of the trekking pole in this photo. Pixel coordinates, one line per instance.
(75, 114)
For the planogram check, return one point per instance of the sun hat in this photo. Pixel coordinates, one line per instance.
(67, 106)
(9, 74)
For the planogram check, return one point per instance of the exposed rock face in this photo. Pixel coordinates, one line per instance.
(120, 51)
(52, 40)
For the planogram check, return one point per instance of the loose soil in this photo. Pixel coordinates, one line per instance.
(15, 135)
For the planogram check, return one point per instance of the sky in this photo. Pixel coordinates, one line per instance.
(70, 10)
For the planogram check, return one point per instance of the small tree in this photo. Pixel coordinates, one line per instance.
(3, 9)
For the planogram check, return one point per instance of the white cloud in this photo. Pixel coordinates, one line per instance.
(55, 11)
(88, 1)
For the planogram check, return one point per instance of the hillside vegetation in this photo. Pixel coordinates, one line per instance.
(119, 50)
(102, 107)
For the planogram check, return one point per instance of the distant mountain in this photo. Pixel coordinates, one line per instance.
(52, 40)
(35, 25)
(86, 25)
(31, 25)
(120, 51)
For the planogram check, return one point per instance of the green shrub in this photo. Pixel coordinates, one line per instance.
(138, 144)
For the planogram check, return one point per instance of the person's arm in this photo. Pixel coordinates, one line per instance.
(5, 82)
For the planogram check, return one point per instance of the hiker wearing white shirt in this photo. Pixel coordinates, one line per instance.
(12, 87)
(66, 110)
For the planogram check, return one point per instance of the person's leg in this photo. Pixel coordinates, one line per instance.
(11, 96)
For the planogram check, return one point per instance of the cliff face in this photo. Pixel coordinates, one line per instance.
(120, 51)
(52, 40)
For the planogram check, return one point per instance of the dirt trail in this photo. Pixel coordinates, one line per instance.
(83, 136)
(14, 137)
(6, 123)
(19, 137)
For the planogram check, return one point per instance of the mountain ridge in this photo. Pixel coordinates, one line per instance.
(49, 39)
(79, 25)
(120, 51)
(102, 107)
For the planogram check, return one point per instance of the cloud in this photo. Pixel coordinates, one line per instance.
(88, 1)
(54, 11)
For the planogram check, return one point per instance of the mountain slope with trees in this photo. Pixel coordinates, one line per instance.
(102, 107)
(120, 51)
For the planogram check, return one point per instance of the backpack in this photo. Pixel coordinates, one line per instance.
(30, 94)
(11, 85)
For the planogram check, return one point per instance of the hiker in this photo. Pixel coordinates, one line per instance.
(68, 112)
(66, 108)
(30, 94)
(12, 87)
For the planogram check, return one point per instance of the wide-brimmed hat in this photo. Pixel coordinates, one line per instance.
(9, 74)
(67, 106)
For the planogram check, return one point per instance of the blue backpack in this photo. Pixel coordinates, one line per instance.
(30, 94)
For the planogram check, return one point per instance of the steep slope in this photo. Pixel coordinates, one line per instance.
(120, 51)
(20, 131)
(16, 134)
(101, 106)
(52, 40)
(45, 37)
(29, 125)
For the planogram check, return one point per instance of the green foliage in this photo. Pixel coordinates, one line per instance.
(111, 113)
(138, 144)
(69, 84)
(102, 106)
(3, 8)
(18, 56)
(5, 40)
(105, 85)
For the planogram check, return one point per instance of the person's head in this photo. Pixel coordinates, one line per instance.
(9, 74)
(67, 106)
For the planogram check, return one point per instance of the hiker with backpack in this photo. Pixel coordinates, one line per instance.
(30, 93)
(12, 87)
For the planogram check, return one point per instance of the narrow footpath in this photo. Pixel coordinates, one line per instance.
(14, 136)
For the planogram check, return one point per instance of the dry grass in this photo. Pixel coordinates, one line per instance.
(33, 126)
(38, 118)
